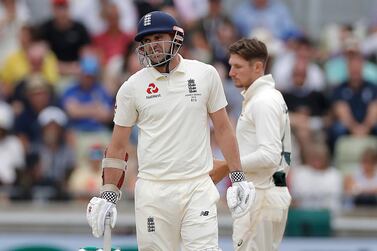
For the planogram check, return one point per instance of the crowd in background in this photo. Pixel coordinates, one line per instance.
(61, 66)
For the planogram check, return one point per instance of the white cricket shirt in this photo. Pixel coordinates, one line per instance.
(171, 112)
(260, 129)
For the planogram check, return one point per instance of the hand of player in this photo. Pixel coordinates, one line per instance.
(240, 195)
(100, 208)
(219, 171)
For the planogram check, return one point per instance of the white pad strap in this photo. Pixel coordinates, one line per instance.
(114, 163)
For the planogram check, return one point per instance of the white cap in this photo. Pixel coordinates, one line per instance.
(52, 114)
(6, 116)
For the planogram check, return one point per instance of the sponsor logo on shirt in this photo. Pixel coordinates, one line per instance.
(152, 90)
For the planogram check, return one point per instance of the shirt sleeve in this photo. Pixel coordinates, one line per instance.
(216, 99)
(267, 118)
(125, 113)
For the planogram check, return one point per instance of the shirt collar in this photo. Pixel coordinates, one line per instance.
(181, 68)
(263, 81)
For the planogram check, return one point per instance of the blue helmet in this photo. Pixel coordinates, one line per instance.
(153, 23)
(156, 22)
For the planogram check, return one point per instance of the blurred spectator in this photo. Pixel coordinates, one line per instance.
(33, 58)
(275, 46)
(66, 37)
(307, 108)
(226, 35)
(128, 14)
(369, 44)
(113, 41)
(38, 95)
(232, 93)
(11, 151)
(86, 180)
(354, 103)
(40, 62)
(13, 14)
(334, 37)
(316, 185)
(145, 6)
(120, 68)
(213, 20)
(336, 67)
(272, 15)
(89, 107)
(40, 11)
(361, 186)
(199, 46)
(219, 31)
(303, 53)
(57, 159)
(191, 11)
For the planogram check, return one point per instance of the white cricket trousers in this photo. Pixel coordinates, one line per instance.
(262, 229)
(171, 214)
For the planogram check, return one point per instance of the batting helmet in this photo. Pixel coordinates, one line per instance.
(153, 23)
(156, 22)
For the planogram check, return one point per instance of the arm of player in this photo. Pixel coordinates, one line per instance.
(226, 138)
(268, 119)
(219, 171)
(114, 165)
(241, 194)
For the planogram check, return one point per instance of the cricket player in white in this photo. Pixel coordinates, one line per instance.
(263, 134)
(171, 101)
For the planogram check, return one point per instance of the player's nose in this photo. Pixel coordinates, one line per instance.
(232, 73)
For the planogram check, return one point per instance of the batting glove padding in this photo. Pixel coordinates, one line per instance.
(240, 195)
(96, 212)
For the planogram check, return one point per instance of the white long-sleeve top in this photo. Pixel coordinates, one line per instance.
(263, 132)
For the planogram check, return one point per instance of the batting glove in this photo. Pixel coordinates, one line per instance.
(240, 195)
(99, 208)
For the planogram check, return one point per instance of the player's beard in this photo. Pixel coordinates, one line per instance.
(157, 58)
(161, 54)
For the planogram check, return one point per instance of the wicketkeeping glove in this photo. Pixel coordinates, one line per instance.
(240, 195)
(100, 207)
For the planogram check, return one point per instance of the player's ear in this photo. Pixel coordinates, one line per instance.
(258, 66)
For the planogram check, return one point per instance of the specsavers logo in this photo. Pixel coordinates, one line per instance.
(152, 90)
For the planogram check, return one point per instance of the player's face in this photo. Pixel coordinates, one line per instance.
(242, 71)
(157, 46)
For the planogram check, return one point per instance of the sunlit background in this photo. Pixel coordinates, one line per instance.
(62, 62)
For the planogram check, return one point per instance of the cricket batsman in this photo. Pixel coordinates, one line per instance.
(171, 101)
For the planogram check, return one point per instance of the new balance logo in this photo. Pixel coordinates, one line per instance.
(239, 243)
(147, 20)
(204, 213)
(150, 224)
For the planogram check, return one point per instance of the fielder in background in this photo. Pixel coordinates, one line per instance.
(263, 135)
(170, 101)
